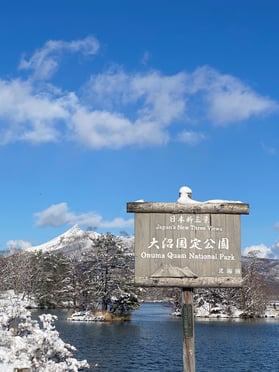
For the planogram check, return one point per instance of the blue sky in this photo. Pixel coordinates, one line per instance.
(105, 102)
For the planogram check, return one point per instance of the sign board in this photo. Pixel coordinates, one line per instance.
(188, 245)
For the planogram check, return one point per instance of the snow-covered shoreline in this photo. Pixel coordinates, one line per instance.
(218, 312)
(204, 311)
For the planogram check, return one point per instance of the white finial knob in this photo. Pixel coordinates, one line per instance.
(185, 195)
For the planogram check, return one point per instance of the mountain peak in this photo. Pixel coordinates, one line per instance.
(73, 231)
(73, 239)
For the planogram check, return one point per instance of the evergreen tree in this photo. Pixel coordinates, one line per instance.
(51, 279)
(111, 275)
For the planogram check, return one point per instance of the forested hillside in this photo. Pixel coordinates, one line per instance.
(97, 278)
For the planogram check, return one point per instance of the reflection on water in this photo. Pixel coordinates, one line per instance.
(152, 341)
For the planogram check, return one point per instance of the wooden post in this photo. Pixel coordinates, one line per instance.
(188, 330)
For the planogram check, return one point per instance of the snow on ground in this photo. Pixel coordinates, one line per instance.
(206, 310)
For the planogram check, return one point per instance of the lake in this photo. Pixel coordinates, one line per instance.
(152, 341)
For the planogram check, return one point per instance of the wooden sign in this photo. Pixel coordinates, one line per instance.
(188, 245)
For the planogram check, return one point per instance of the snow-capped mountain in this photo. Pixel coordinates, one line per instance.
(73, 240)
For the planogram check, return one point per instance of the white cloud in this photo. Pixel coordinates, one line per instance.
(229, 107)
(55, 215)
(44, 62)
(275, 250)
(59, 214)
(115, 108)
(262, 251)
(163, 96)
(152, 96)
(135, 109)
(99, 129)
(13, 245)
(228, 100)
(29, 116)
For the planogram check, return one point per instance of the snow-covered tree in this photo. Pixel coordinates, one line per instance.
(111, 275)
(24, 344)
(248, 301)
(252, 295)
(51, 284)
(17, 273)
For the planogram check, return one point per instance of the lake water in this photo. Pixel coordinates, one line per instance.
(152, 341)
